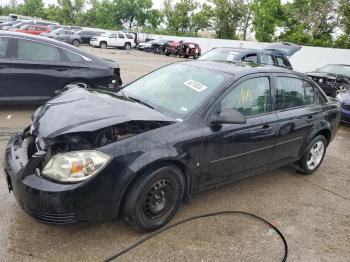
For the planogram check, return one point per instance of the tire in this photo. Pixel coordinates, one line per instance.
(313, 156)
(76, 43)
(154, 198)
(342, 86)
(127, 46)
(195, 56)
(103, 45)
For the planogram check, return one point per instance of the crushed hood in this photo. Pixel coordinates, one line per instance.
(81, 110)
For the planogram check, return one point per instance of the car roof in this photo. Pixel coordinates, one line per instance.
(239, 68)
(244, 51)
(49, 41)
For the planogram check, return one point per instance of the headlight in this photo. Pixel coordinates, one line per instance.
(75, 166)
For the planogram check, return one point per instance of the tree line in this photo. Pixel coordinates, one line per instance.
(306, 22)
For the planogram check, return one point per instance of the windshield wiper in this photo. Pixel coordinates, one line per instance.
(140, 102)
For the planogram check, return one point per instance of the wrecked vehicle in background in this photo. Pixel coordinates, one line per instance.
(332, 78)
(183, 49)
(90, 155)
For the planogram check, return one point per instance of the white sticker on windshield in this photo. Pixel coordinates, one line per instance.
(196, 86)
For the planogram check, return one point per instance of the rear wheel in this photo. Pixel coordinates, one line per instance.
(313, 155)
(154, 198)
(103, 45)
(127, 46)
(76, 43)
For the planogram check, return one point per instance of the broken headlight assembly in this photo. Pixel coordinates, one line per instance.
(75, 166)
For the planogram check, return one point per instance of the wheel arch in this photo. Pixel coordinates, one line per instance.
(326, 133)
(157, 164)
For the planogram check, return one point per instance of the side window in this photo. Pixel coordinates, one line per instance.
(293, 92)
(40, 29)
(30, 50)
(252, 97)
(121, 36)
(267, 59)
(72, 57)
(114, 36)
(250, 58)
(282, 62)
(129, 36)
(309, 94)
(3, 46)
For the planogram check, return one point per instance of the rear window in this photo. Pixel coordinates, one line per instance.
(282, 62)
(129, 36)
(221, 55)
(31, 50)
(3, 46)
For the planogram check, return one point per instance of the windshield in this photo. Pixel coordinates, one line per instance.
(229, 55)
(175, 90)
(336, 69)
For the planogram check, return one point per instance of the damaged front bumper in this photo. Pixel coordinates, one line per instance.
(51, 202)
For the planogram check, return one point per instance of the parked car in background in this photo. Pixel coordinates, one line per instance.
(72, 27)
(70, 37)
(33, 29)
(113, 39)
(274, 55)
(183, 49)
(9, 24)
(147, 44)
(34, 68)
(186, 127)
(157, 47)
(86, 35)
(332, 78)
(344, 98)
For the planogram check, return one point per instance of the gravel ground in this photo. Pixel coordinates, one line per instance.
(312, 212)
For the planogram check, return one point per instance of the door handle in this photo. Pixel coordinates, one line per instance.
(266, 127)
(60, 69)
(310, 118)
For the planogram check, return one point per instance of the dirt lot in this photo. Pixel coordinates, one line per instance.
(312, 212)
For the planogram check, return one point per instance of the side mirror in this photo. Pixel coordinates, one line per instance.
(228, 116)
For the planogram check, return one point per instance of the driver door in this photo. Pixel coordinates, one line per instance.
(233, 151)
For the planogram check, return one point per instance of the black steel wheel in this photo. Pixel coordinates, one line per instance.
(154, 198)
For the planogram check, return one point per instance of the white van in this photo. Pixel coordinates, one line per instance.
(114, 39)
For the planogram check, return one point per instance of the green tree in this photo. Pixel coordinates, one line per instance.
(33, 8)
(203, 18)
(132, 13)
(267, 14)
(227, 17)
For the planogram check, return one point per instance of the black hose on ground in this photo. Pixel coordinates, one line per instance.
(198, 217)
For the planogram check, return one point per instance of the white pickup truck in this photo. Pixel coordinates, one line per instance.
(114, 39)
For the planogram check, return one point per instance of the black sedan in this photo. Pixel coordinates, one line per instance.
(90, 155)
(332, 78)
(33, 69)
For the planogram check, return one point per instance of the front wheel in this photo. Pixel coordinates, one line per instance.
(154, 198)
(313, 155)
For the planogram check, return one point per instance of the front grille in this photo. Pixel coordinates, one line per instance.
(53, 218)
(345, 107)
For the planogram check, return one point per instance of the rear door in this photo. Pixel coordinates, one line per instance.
(298, 110)
(37, 70)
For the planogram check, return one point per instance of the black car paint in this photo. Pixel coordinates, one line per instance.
(29, 81)
(205, 153)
